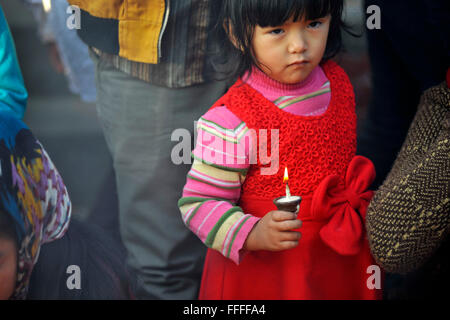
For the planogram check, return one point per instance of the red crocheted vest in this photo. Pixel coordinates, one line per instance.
(312, 147)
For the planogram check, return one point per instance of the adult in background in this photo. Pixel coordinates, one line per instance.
(68, 54)
(408, 220)
(409, 54)
(152, 78)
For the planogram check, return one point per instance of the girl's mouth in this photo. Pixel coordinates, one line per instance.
(298, 63)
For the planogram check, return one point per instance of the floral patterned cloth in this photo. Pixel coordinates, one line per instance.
(33, 193)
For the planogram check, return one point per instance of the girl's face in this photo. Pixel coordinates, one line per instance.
(288, 53)
(8, 267)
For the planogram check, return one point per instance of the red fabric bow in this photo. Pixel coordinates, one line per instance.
(340, 201)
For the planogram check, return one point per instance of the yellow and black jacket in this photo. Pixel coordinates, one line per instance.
(159, 41)
(131, 29)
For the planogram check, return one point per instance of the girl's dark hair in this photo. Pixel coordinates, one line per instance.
(242, 16)
(100, 259)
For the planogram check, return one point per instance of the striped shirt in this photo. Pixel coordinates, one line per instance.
(186, 42)
(222, 157)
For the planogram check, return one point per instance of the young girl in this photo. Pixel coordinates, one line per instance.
(290, 90)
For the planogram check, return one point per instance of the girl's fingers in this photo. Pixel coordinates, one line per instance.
(290, 236)
(283, 215)
(289, 225)
(285, 241)
(286, 245)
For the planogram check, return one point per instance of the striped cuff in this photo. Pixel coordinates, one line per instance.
(233, 246)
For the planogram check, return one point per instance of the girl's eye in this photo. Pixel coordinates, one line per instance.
(315, 24)
(276, 31)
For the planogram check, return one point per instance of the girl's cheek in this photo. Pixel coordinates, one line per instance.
(8, 270)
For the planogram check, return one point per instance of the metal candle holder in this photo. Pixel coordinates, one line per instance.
(291, 204)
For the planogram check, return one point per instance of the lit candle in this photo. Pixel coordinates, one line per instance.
(285, 180)
(288, 203)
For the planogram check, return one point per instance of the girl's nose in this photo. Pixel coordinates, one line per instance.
(297, 44)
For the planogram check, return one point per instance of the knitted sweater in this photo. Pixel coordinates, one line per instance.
(409, 217)
(214, 185)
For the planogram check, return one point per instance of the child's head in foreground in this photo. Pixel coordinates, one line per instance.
(34, 205)
(286, 39)
(36, 243)
(103, 273)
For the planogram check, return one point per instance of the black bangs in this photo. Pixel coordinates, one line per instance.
(238, 19)
(270, 13)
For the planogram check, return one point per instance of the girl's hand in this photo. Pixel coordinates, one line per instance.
(273, 233)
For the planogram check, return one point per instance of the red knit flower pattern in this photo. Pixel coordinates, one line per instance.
(312, 147)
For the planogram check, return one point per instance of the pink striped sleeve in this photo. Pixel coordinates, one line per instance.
(223, 140)
(213, 186)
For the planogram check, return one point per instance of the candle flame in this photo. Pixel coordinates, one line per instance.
(286, 176)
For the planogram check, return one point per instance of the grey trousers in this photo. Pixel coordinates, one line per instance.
(138, 119)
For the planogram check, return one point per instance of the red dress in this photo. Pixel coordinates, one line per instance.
(333, 256)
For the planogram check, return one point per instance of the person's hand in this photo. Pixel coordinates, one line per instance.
(273, 232)
(55, 57)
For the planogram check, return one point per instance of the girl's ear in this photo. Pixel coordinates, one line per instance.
(228, 27)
